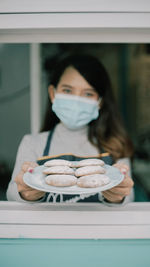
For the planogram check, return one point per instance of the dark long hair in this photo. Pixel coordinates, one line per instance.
(107, 131)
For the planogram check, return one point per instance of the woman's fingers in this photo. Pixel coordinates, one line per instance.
(32, 194)
(127, 182)
(112, 197)
(27, 192)
(20, 183)
(122, 167)
(117, 193)
(27, 165)
(120, 191)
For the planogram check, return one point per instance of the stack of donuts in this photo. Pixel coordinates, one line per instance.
(87, 173)
(59, 173)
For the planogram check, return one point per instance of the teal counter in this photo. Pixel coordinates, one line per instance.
(72, 253)
(90, 235)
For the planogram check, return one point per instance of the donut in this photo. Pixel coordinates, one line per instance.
(59, 170)
(61, 180)
(87, 170)
(57, 162)
(87, 162)
(94, 180)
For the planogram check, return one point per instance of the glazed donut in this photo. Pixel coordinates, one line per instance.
(57, 162)
(87, 162)
(94, 180)
(61, 180)
(59, 170)
(89, 170)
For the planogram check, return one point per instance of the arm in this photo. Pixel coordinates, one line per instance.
(26, 157)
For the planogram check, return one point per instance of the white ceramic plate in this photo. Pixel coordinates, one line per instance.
(36, 180)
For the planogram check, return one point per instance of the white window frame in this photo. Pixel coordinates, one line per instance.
(96, 21)
(74, 21)
(34, 6)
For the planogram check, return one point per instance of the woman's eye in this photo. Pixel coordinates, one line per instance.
(89, 94)
(66, 91)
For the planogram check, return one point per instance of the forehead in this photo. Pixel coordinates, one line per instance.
(72, 77)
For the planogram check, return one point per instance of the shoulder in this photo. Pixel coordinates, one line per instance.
(35, 137)
(34, 140)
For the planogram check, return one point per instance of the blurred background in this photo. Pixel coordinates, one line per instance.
(129, 68)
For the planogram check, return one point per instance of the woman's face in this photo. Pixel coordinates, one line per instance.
(73, 83)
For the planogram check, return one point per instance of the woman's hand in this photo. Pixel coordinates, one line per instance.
(26, 192)
(117, 193)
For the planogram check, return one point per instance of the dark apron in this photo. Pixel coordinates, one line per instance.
(106, 157)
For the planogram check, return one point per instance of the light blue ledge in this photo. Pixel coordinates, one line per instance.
(73, 253)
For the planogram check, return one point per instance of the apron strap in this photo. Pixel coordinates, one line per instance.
(48, 143)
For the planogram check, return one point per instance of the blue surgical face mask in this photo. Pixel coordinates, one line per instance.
(75, 111)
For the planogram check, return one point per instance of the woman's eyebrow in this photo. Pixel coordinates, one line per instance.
(66, 85)
(89, 90)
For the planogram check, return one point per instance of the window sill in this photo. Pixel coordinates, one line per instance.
(74, 221)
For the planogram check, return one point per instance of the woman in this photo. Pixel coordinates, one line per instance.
(82, 121)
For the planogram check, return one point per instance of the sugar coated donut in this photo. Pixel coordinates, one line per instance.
(94, 180)
(89, 170)
(87, 162)
(59, 170)
(61, 180)
(57, 162)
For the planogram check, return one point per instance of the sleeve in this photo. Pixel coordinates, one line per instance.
(26, 152)
(127, 199)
